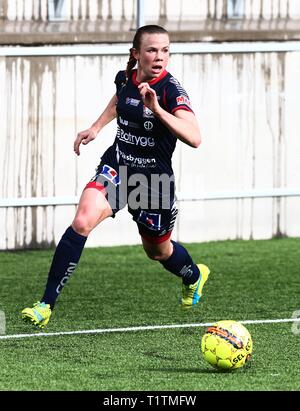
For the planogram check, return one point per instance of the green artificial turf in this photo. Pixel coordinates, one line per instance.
(118, 287)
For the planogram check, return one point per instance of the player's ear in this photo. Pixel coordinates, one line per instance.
(135, 53)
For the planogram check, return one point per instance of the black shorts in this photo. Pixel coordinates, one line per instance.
(150, 197)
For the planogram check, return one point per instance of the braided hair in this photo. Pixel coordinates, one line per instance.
(130, 64)
(149, 29)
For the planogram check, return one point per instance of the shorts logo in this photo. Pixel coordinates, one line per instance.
(183, 100)
(110, 174)
(132, 101)
(150, 220)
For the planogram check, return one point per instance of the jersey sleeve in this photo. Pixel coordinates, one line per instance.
(175, 97)
(120, 80)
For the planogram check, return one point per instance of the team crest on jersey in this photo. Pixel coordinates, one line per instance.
(132, 101)
(110, 174)
(148, 125)
(147, 112)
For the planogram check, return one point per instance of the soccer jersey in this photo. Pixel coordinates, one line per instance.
(143, 143)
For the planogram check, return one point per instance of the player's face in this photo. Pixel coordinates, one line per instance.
(153, 56)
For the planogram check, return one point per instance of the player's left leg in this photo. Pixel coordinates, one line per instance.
(175, 258)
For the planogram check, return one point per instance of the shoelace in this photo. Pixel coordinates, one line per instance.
(39, 304)
(189, 291)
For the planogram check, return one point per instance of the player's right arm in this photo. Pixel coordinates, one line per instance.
(84, 137)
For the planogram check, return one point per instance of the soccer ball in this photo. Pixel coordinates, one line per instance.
(227, 345)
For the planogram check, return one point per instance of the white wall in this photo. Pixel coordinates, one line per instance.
(247, 107)
(174, 10)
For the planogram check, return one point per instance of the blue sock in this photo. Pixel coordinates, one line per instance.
(65, 260)
(181, 264)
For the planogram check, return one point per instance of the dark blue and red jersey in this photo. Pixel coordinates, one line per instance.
(143, 143)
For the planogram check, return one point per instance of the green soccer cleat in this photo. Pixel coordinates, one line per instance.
(38, 315)
(191, 294)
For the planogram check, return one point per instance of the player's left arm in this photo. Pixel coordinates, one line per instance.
(183, 123)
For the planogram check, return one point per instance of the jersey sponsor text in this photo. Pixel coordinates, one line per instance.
(129, 138)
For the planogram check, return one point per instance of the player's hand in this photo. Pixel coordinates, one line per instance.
(84, 137)
(149, 97)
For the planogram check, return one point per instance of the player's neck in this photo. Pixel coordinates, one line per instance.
(138, 77)
(141, 77)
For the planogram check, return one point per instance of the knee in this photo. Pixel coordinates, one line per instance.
(158, 252)
(156, 256)
(81, 225)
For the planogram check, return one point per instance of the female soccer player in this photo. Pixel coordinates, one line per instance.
(152, 111)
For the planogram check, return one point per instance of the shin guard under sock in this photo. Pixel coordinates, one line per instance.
(65, 260)
(181, 264)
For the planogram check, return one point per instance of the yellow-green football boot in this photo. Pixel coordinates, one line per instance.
(191, 293)
(38, 315)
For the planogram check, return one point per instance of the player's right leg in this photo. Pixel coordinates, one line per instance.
(155, 229)
(92, 209)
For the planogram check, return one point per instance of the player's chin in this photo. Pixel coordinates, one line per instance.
(156, 71)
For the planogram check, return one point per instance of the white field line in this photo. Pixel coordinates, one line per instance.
(141, 328)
